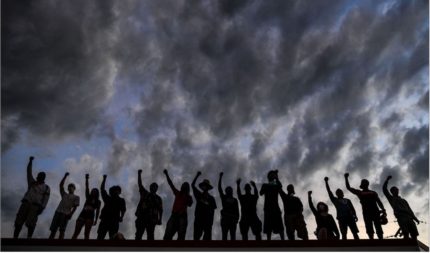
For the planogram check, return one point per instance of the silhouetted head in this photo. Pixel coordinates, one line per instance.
(41, 177)
(185, 188)
(115, 190)
(322, 207)
(395, 191)
(273, 174)
(247, 188)
(339, 193)
(229, 191)
(290, 189)
(153, 187)
(95, 193)
(364, 184)
(205, 185)
(71, 188)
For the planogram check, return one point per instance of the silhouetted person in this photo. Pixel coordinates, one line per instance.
(178, 221)
(205, 208)
(33, 203)
(369, 201)
(403, 212)
(272, 212)
(326, 226)
(293, 214)
(149, 210)
(113, 211)
(90, 213)
(248, 207)
(229, 212)
(65, 210)
(346, 215)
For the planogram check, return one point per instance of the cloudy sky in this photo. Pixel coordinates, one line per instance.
(311, 88)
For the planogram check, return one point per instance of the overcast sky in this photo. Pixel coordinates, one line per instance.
(311, 88)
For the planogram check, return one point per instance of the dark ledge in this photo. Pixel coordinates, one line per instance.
(8, 244)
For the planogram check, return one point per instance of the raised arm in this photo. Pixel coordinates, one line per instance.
(62, 192)
(104, 194)
(169, 181)
(139, 182)
(87, 186)
(255, 188)
(193, 184)
(352, 190)
(385, 189)
(239, 192)
(221, 192)
(330, 193)
(311, 205)
(30, 178)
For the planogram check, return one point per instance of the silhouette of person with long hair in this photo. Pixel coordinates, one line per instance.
(326, 226)
(272, 212)
(33, 203)
(178, 220)
(113, 211)
(149, 211)
(346, 215)
(229, 212)
(90, 213)
(293, 214)
(65, 210)
(248, 207)
(369, 201)
(403, 212)
(205, 209)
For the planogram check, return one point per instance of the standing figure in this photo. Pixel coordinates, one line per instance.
(113, 211)
(33, 203)
(149, 211)
(65, 210)
(205, 208)
(403, 212)
(346, 215)
(326, 226)
(178, 221)
(293, 214)
(229, 212)
(90, 213)
(272, 212)
(369, 202)
(248, 207)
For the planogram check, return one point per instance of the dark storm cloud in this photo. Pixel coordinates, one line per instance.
(56, 71)
(414, 141)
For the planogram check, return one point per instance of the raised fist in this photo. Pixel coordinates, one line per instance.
(221, 174)
(87, 176)
(238, 180)
(198, 173)
(165, 171)
(139, 171)
(389, 177)
(104, 176)
(346, 174)
(326, 179)
(31, 158)
(67, 174)
(309, 193)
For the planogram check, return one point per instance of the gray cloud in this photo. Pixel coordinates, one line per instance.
(57, 73)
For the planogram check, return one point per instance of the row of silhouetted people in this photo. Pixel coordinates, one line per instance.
(149, 210)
